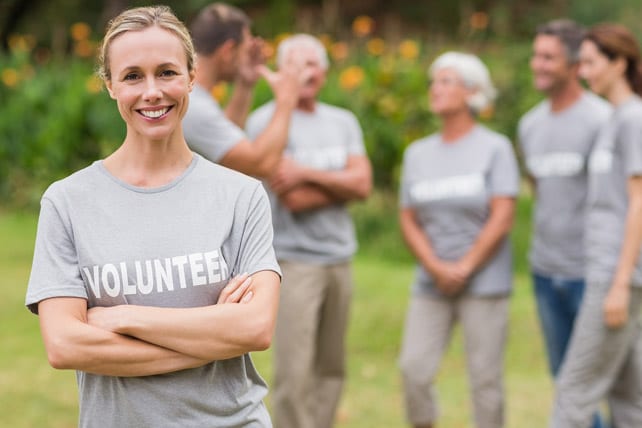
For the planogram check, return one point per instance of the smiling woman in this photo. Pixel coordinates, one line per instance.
(140, 264)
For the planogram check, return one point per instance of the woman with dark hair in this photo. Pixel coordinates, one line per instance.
(604, 359)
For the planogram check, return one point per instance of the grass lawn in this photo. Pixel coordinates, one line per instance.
(34, 395)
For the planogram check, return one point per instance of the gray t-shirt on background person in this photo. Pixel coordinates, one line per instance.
(450, 186)
(111, 243)
(617, 156)
(321, 140)
(206, 128)
(556, 146)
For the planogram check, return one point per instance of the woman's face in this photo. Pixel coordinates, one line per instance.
(599, 72)
(149, 81)
(447, 93)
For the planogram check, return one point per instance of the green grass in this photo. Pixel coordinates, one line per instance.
(34, 395)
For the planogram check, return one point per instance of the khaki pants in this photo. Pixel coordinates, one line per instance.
(428, 329)
(601, 363)
(309, 352)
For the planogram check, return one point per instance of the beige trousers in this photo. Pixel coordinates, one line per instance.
(428, 329)
(309, 351)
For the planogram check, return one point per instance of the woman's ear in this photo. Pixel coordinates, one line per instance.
(620, 64)
(109, 89)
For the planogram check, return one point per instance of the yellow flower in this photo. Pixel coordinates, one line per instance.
(376, 46)
(479, 21)
(339, 51)
(94, 84)
(268, 50)
(80, 31)
(409, 49)
(10, 77)
(20, 43)
(219, 91)
(351, 77)
(362, 26)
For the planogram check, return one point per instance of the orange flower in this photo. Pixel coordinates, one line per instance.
(93, 84)
(219, 91)
(268, 50)
(339, 51)
(80, 31)
(84, 48)
(376, 46)
(479, 21)
(10, 77)
(362, 26)
(326, 39)
(351, 77)
(409, 49)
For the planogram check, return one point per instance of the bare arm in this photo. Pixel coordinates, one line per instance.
(214, 332)
(498, 225)
(240, 102)
(352, 182)
(306, 197)
(260, 157)
(71, 343)
(420, 246)
(617, 300)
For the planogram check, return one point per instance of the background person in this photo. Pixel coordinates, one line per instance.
(457, 193)
(604, 359)
(324, 167)
(129, 267)
(227, 52)
(556, 137)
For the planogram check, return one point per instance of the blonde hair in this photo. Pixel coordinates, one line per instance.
(138, 19)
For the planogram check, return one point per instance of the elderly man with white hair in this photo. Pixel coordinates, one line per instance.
(457, 201)
(324, 167)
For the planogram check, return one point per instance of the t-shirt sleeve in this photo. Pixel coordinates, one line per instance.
(356, 146)
(504, 174)
(208, 131)
(55, 271)
(256, 252)
(631, 141)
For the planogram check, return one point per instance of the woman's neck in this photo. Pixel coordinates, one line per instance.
(619, 92)
(145, 163)
(456, 125)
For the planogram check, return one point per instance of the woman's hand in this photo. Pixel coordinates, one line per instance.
(237, 290)
(616, 306)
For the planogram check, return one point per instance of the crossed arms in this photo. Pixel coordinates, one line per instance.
(129, 340)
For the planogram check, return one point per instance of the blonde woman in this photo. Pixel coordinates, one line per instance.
(135, 271)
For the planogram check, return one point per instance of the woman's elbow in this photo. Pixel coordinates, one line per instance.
(262, 333)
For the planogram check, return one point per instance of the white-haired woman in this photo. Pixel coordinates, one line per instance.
(457, 202)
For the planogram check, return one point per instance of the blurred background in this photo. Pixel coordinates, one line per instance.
(55, 118)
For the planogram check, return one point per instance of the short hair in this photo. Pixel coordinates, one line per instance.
(215, 24)
(289, 43)
(138, 19)
(569, 33)
(473, 73)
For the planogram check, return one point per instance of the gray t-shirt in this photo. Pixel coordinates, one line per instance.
(450, 186)
(111, 243)
(322, 140)
(616, 157)
(206, 128)
(556, 146)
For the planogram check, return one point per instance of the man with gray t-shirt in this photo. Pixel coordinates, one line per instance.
(323, 168)
(227, 53)
(556, 137)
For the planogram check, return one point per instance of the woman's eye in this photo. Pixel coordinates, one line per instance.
(168, 73)
(131, 76)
